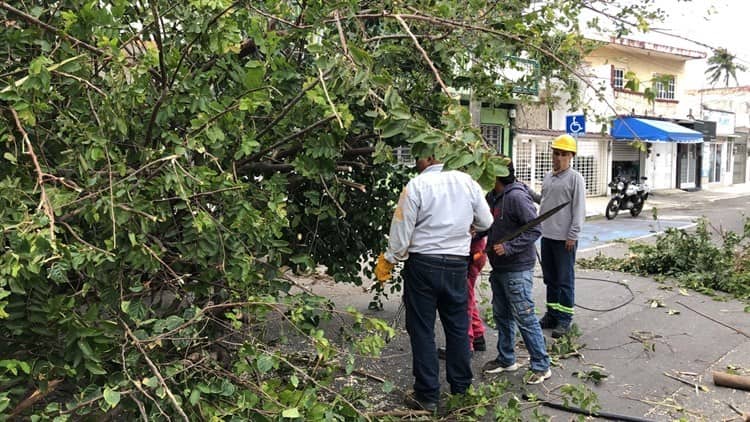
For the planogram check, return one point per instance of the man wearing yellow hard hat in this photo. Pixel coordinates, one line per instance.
(560, 234)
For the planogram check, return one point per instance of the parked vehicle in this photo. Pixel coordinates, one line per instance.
(627, 194)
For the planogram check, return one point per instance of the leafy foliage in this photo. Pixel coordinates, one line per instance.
(580, 396)
(169, 166)
(695, 259)
(722, 65)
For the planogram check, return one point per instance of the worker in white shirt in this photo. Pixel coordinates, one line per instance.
(431, 232)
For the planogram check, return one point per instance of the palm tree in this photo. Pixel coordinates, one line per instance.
(722, 66)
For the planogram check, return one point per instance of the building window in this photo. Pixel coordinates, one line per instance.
(403, 156)
(664, 87)
(493, 135)
(618, 78)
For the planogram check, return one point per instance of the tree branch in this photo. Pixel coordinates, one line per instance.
(278, 19)
(155, 371)
(424, 54)
(45, 202)
(160, 46)
(49, 28)
(81, 80)
(187, 48)
(295, 135)
(288, 107)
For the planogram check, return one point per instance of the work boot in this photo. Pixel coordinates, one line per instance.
(560, 330)
(547, 321)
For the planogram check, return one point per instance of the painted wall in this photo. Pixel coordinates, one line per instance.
(660, 166)
(644, 64)
(736, 100)
(532, 116)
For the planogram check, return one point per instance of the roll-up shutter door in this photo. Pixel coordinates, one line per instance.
(623, 151)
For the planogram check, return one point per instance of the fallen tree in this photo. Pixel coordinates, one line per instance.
(166, 165)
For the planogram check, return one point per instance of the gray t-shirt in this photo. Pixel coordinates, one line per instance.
(567, 185)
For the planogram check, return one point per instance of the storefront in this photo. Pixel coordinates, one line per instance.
(739, 167)
(663, 142)
(718, 155)
(690, 156)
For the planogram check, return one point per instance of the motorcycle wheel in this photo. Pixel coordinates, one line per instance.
(637, 208)
(613, 207)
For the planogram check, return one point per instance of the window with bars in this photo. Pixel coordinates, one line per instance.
(403, 156)
(522, 161)
(533, 159)
(588, 164)
(664, 87)
(493, 135)
(618, 78)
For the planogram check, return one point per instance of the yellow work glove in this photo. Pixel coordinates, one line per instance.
(383, 269)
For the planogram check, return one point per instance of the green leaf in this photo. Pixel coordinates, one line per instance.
(10, 157)
(392, 128)
(112, 397)
(294, 381)
(4, 402)
(401, 113)
(254, 72)
(94, 367)
(265, 363)
(84, 347)
(459, 160)
(291, 413)
(195, 397)
(388, 386)
(150, 382)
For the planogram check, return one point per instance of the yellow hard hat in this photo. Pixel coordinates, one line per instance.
(565, 143)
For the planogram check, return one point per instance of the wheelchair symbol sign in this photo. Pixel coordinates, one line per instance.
(575, 125)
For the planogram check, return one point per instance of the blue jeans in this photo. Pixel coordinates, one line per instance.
(432, 284)
(512, 304)
(559, 276)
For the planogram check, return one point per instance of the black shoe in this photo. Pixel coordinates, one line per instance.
(479, 344)
(414, 403)
(547, 322)
(560, 330)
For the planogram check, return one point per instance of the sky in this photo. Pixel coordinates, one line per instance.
(718, 23)
(714, 23)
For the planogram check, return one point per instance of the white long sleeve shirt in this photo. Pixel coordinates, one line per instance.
(435, 213)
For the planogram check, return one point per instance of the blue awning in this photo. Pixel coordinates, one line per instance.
(629, 128)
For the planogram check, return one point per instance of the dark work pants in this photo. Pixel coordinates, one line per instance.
(431, 284)
(559, 276)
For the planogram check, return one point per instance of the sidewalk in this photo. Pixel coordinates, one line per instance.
(672, 198)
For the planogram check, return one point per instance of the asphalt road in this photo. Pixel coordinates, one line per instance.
(721, 214)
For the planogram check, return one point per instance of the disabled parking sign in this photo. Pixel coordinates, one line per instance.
(575, 125)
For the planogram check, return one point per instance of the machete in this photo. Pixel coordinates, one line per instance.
(533, 223)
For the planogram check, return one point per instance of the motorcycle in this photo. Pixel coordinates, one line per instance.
(627, 194)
